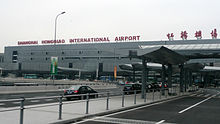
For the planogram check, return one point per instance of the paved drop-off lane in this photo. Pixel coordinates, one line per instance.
(168, 112)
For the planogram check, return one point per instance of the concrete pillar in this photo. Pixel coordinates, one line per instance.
(144, 73)
(169, 75)
(181, 77)
(97, 71)
(79, 74)
(206, 79)
(185, 79)
(163, 78)
(133, 76)
(193, 78)
(169, 81)
(190, 78)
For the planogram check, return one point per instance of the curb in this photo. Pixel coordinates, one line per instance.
(117, 110)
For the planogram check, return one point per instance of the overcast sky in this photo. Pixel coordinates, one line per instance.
(28, 20)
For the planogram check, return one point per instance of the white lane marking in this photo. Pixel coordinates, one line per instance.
(199, 95)
(193, 94)
(197, 103)
(17, 95)
(207, 95)
(137, 108)
(35, 100)
(2, 104)
(160, 122)
(48, 100)
(126, 111)
(16, 102)
(91, 119)
(50, 93)
(122, 121)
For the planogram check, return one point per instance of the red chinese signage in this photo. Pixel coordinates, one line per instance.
(214, 34)
(184, 35)
(170, 36)
(198, 34)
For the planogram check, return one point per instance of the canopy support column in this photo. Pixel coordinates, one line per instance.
(133, 75)
(186, 80)
(144, 74)
(163, 78)
(169, 76)
(181, 77)
(190, 78)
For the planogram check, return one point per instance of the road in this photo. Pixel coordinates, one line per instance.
(38, 97)
(200, 108)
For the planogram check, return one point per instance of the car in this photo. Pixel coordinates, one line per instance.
(165, 85)
(76, 92)
(152, 86)
(131, 87)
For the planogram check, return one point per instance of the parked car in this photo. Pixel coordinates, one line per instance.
(131, 87)
(153, 86)
(78, 90)
(165, 85)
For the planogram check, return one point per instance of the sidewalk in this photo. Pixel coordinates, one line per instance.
(76, 110)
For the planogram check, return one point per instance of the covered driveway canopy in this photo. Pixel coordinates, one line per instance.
(211, 68)
(194, 66)
(160, 55)
(155, 54)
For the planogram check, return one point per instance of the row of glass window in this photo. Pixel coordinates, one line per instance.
(32, 53)
(80, 52)
(14, 58)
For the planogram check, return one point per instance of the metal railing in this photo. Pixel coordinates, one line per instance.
(86, 99)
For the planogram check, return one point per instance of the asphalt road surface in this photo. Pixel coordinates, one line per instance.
(201, 108)
(38, 98)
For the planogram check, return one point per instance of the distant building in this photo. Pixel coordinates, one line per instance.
(90, 60)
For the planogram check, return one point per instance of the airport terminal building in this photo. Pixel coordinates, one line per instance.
(99, 59)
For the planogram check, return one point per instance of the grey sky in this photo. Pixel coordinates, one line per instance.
(28, 20)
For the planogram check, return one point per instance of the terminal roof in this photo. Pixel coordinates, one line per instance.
(161, 55)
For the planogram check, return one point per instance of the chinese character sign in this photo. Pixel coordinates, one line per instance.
(184, 35)
(170, 36)
(198, 35)
(214, 34)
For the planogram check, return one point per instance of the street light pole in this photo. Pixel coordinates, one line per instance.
(55, 35)
(56, 27)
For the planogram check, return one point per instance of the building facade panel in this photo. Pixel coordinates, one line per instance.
(87, 57)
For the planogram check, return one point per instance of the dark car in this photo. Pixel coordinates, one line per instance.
(152, 86)
(130, 88)
(165, 85)
(76, 92)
